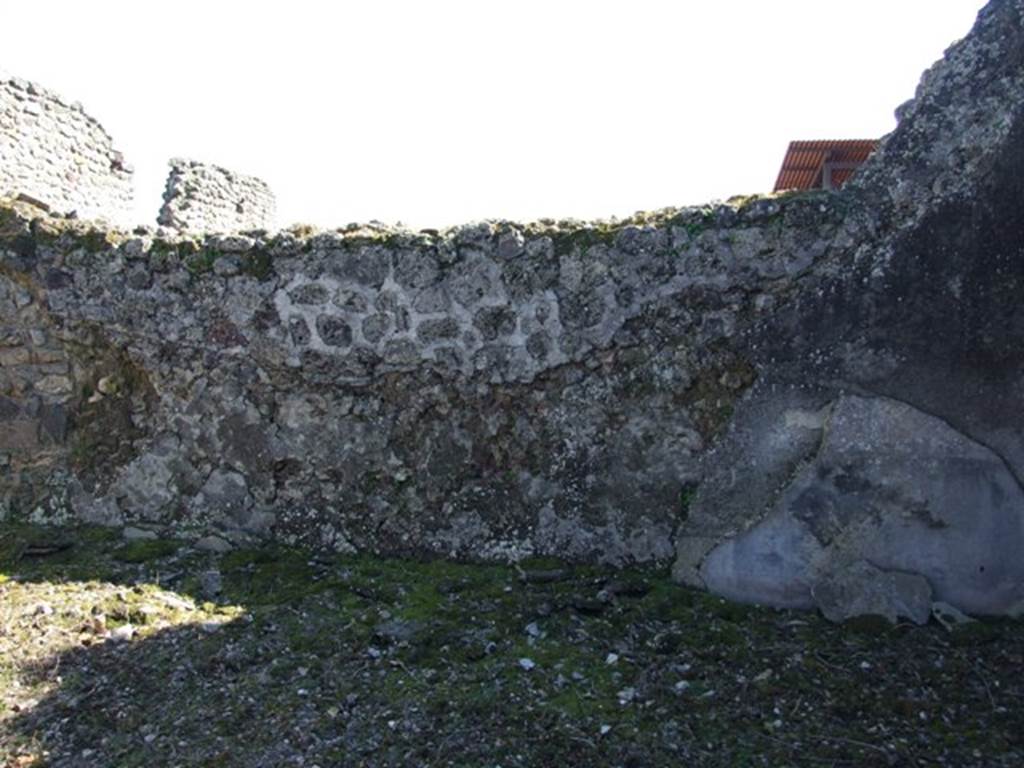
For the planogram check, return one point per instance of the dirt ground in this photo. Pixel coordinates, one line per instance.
(150, 653)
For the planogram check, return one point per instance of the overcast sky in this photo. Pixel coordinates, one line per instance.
(441, 112)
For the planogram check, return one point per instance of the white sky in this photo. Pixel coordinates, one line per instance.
(438, 112)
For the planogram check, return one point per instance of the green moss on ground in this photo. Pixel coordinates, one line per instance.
(355, 660)
(145, 550)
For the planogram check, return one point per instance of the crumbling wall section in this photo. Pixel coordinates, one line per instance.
(53, 151)
(207, 198)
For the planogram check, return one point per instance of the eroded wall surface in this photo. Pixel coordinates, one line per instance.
(207, 198)
(53, 151)
(496, 390)
(805, 399)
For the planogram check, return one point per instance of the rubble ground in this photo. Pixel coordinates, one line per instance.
(152, 653)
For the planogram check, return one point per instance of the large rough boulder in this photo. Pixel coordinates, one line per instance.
(808, 399)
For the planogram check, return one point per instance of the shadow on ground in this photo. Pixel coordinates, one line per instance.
(152, 654)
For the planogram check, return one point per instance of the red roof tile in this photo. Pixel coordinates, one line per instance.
(804, 164)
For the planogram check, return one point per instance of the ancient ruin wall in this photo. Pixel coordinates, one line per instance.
(807, 399)
(53, 151)
(207, 198)
(496, 390)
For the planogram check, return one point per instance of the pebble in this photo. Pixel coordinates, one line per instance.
(122, 634)
(526, 664)
(213, 544)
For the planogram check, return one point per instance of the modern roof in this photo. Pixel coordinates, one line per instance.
(822, 164)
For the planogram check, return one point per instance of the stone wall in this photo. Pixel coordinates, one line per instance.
(56, 153)
(206, 198)
(494, 390)
(805, 399)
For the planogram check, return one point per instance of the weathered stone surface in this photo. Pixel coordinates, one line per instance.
(861, 589)
(55, 154)
(915, 315)
(899, 489)
(771, 390)
(207, 198)
(474, 424)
